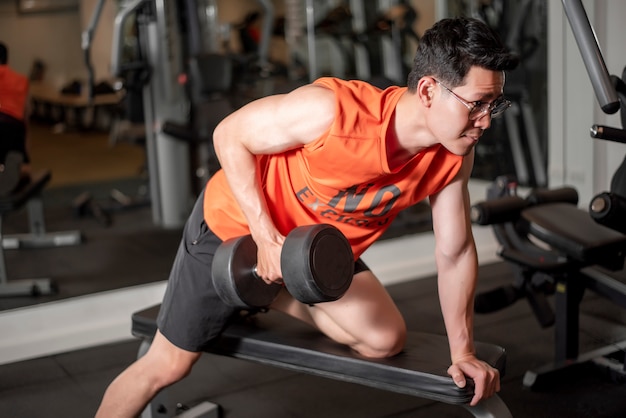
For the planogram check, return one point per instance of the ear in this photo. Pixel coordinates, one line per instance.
(426, 90)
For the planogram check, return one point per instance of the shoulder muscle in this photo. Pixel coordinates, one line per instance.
(276, 123)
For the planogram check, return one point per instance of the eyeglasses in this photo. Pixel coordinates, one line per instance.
(479, 109)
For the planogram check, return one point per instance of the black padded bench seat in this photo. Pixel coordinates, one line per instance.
(420, 370)
(572, 231)
(580, 254)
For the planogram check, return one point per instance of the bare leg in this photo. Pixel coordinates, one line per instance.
(163, 365)
(365, 318)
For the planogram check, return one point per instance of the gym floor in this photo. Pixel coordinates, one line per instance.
(132, 251)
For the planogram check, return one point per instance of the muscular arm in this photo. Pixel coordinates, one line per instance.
(456, 261)
(269, 125)
(457, 267)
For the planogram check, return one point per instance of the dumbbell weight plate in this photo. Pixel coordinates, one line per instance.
(234, 278)
(317, 263)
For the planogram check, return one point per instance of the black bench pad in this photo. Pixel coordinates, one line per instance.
(25, 191)
(275, 339)
(573, 232)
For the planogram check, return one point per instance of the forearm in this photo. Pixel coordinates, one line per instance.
(457, 284)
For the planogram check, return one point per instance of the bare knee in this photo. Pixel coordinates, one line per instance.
(170, 372)
(167, 363)
(163, 365)
(382, 343)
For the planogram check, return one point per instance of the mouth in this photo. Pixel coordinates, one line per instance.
(473, 138)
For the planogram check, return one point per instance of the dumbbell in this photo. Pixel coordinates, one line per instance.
(316, 261)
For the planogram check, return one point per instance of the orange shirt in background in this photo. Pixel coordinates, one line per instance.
(13, 92)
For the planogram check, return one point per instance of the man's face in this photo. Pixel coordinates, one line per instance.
(451, 121)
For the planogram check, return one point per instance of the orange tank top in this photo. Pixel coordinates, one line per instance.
(342, 178)
(13, 92)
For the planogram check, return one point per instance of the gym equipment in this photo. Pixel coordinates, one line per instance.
(187, 90)
(518, 141)
(161, 58)
(554, 248)
(209, 79)
(317, 264)
(84, 204)
(275, 340)
(384, 31)
(29, 194)
(363, 49)
(558, 249)
(609, 209)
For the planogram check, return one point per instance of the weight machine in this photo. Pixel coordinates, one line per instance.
(517, 141)
(181, 70)
(366, 51)
(556, 248)
(161, 60)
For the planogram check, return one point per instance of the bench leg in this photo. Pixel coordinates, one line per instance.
(27, 287)
(36, 216)
(38, 237)
(24, 287)
(203, 410)
(493, 407)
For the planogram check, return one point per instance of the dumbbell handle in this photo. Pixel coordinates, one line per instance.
(255, 274)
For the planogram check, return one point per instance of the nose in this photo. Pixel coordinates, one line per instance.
(483, 122)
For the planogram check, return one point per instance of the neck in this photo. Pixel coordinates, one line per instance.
(410, 134)
(411, 129)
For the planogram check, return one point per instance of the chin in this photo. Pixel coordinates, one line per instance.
(467, 146)
(461, 146)
(461, 151)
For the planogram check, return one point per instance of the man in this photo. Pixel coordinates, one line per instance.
(347, 154)
(14, 159)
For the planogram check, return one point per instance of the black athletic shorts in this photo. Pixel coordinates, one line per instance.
(192, 315)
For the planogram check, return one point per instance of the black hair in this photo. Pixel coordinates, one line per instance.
(452, 46)
(4, 54)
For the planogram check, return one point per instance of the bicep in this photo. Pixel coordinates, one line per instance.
(277, 123)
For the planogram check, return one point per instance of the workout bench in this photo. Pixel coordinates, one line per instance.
(29, 194)
(547, 238)
(275, 339)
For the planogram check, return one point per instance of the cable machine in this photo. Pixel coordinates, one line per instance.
(164, 98)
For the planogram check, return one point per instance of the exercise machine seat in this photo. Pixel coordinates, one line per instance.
(573, 232)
